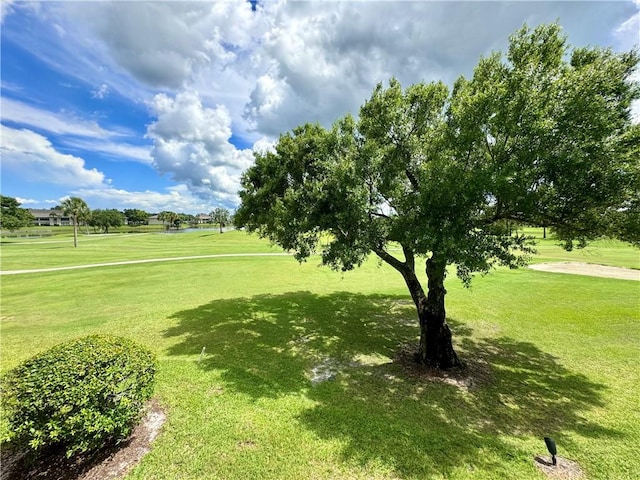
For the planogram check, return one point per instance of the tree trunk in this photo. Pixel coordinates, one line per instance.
(75, 231)
(436, 348)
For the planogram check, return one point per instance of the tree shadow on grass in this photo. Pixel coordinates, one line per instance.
(267, 345)
(427, 428)
(337, 350)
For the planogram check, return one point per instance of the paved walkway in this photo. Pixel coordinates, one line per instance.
(577, 268)
(149, 260)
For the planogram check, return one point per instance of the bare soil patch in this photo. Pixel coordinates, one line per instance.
(472, 374)
(111, 462)
(590, 269)
(564, 470)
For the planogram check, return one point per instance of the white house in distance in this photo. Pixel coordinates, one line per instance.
(49, 218)
(203, 218)
(153, 220)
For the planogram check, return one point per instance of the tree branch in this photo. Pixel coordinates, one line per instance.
(402, 267)
(390, 259)
(486, 142)
(407, 271)
(409, 257)
(412, 179)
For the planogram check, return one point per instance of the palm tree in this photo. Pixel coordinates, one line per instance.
(174, 219)
(78, 210)
(220, 216)
(169, 217)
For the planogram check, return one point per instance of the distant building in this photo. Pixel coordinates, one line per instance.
(153, 220)
(203, 218)
(49, 218)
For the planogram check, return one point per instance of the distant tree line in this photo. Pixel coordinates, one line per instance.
(101, 220)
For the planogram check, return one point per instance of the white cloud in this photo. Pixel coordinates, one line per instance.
(192, 144)
(175, 199)
(227, 73)
(94, 138)
(115, 151)
(101, 92)
(54, 34)
(32, 157)
(264, 145)
(628, 33)
(11, 87)
(266, 98)
(165, 44)
(62, 123)
(27, 201)
(319, 61)
(5, 9)
(291, 62)
(627, 36)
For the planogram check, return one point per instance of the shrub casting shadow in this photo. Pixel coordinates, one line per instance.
(269, 345)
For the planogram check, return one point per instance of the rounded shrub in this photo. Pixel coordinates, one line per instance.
(78, 395)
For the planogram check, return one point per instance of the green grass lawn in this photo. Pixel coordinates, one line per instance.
(603, 252)
(561, 356)
(21, 254)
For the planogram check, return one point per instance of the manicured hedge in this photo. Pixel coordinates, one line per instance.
(81, 394)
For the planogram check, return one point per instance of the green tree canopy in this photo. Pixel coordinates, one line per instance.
(136, 217)
(187, 218)
(104, 219)
(540, 135)
(12, 216)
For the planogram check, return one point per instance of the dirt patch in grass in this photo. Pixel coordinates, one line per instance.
(247, 444)
(564, 470)
(111, 462)
(590, 269)
(472, 374)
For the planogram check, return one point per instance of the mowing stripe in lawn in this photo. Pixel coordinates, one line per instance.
(149, 260)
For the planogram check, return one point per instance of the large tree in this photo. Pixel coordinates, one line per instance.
(104, 219)
(78, 210)
(542, 135)
(221, 216)
(12, 217)
(136, 216)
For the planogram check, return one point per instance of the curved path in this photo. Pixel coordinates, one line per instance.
(577, 268)
(590, 269)
(148, 260)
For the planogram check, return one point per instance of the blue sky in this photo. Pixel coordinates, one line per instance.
(159, 105)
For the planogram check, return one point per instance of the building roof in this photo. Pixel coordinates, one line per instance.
(40, 213)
